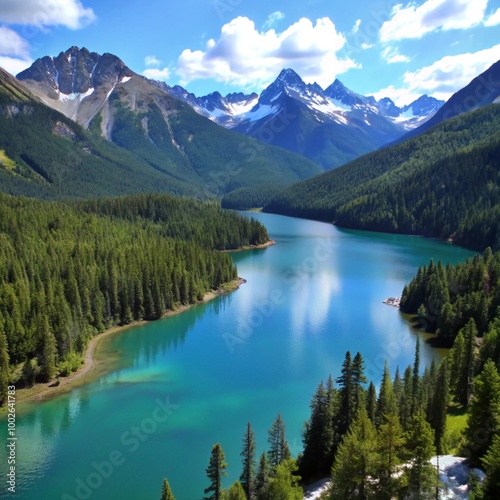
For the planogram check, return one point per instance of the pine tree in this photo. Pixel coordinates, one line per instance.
(48, 366)
(278, 446)
(491, 465)
(345, 413)
(247, 477)
(262, 479)
(166, 492)
(389, 448)
(415, 386)
(356, 460)
(421, 476)
(371, 402)
(215, 470)
(440, 403)
(406, 399)
(4, 365)
(466, 366)
(358, 379)
(484, 412)
(284, 485)
(386, 404)
(235, 492)
(318, 436)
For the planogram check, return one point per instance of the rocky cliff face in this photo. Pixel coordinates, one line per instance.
(76, 82)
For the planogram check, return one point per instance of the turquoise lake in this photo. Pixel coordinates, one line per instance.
(177, 386)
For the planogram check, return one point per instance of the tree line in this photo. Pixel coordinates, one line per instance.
(70, 270)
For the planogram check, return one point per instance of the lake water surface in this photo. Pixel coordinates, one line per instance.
(179, 385)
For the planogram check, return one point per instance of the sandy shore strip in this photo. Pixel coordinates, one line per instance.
(253, 247)
(89, 369)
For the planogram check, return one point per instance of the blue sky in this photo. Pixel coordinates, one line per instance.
(396, 48)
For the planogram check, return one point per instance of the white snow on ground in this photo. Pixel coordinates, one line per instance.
(262, 111)
(125, 79)
(72, 97)
(454, 474)
(313, 491)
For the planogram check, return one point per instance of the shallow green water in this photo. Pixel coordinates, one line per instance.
(186, 382)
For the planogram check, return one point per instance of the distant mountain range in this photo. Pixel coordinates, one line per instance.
(172, 147)
(330, 126)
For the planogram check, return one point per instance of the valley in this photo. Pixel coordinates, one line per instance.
(275, 196)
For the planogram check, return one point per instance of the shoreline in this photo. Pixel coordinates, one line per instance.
(252, 247)
(44, 391)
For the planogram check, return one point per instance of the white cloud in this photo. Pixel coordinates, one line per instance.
(442, 78)
(151, 61)
(366, 46)
(415, 21)
(494, 19)
(273, 19)
(401, 96)
(14, 65)
(69, 13)
(12, 44)
(392, 55)
(356, 26)
(157, 74)
(249, 58)
(14, 51)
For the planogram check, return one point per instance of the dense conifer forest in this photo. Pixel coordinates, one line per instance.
(70, 270)
(444, 184)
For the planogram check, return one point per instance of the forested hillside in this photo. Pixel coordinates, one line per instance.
(71, 270)
(442, 184)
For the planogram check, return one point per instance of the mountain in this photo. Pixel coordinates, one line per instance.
(481, 91)
(222, 110)
(45, 154)
(443, 183)
(198, 156)
(330, 126)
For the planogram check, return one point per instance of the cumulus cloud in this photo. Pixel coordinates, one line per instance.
(273, 19)
(249, 58)
(14, 51)
(12, 44)
(151, 61)
(69, 13)
(494, 19)
(14, 65)
(392, 55)
(442, 78)
(157, 74)
(356, 26)
(415, 21)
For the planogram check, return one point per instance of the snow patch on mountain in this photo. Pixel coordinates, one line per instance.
(75, 96)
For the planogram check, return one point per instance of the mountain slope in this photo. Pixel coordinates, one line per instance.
(128, 110)
(481, 91)
(444, 183)
(44, 154)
